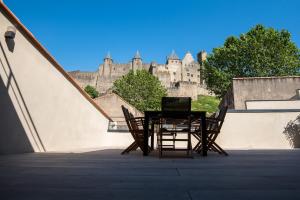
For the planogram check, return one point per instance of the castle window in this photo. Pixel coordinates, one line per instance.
(188, 74)
(189, 80)
(174, 73)
(192, 75)
(174, 80)
(198, 76)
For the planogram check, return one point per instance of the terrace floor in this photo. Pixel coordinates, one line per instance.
(244, 174)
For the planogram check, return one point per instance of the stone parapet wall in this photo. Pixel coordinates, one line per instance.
(264, 88)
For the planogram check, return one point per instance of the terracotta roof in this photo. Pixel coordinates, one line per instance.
(22, 29)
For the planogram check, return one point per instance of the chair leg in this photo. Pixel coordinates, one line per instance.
(198, 143)
(160, 150)
(152, 136)
(220, 149)
(190, 148)
(131, 147)
(215, 149)
(197, 146)
(212, 147)
(199, 149)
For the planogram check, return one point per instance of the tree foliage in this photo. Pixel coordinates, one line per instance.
(140, 89)
(91, 91)
(261, 52)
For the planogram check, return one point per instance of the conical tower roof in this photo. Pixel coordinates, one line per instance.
(108, 56)
(188, 58)
(137, 55)
(173, 56)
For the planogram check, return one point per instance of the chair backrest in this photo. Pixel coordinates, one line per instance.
(214, 125)
(221, 116)
(127, 117)
(218, 120)
(135, 126)
(176, 104)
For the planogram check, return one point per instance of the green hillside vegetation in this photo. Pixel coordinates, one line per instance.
(206, 103)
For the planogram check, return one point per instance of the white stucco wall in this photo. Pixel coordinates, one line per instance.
(295, 104)
(256, 130)
(54, 115)
(241, 130)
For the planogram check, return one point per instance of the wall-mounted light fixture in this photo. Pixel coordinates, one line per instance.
(9, 37)
(10, 32)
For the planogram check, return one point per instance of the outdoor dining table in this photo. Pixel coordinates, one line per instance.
(154, 115)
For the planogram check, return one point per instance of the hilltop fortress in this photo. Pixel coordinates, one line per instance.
(180, 77)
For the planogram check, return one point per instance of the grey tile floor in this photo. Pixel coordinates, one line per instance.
(244, 174)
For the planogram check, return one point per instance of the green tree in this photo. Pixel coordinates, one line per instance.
(260, 52)
(91, 91)
(140, 89)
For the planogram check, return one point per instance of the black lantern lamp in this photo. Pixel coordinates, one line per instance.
(10, 33)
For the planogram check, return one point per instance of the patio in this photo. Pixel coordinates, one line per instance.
(244, 174)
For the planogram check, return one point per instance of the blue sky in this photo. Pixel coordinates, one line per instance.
(79, 33)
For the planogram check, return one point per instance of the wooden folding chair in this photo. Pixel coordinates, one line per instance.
(136, 128)
(213, 128)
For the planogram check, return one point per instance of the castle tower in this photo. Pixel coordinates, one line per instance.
(174, 67)
(152, 69)
(187, 65)
(188, 59)
(107, 66)
(202, 55)
(173, 58)
(137, 62)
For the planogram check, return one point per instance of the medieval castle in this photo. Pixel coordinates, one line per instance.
(180, 77)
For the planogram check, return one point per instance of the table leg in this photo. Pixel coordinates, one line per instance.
(204, 135)
(152, 136)
(146, 134)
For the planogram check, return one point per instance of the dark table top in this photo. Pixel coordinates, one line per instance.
(174, 113)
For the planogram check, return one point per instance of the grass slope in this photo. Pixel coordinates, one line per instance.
(206, 103)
